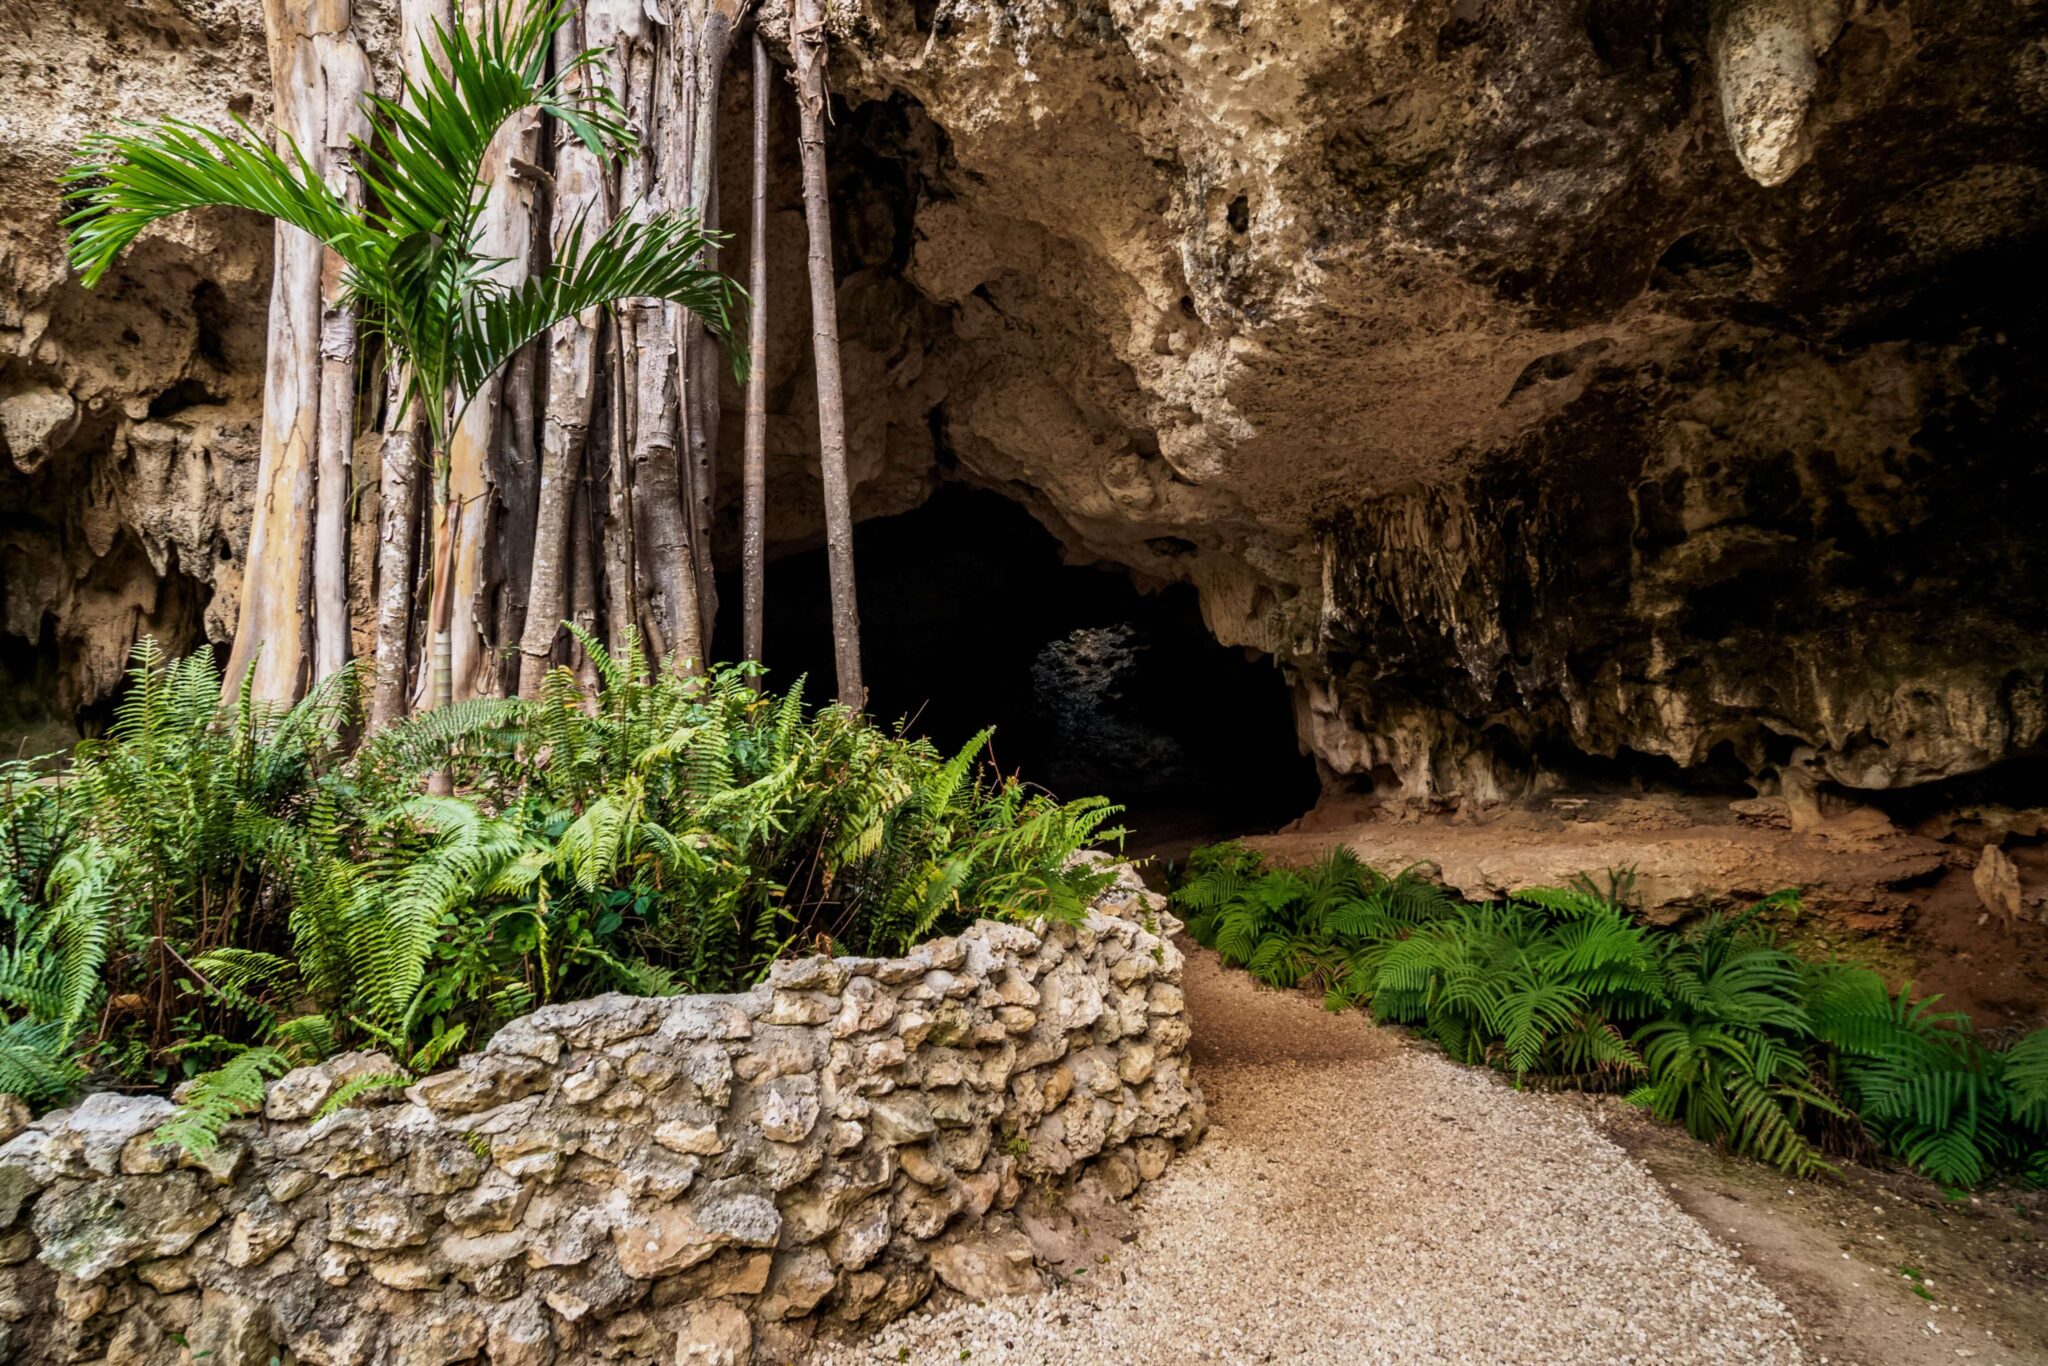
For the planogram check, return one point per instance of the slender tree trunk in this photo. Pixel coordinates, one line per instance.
(399, 531)
(474, 464)
(807, 40)
(270, 633)
(659, 581)
(571, 389)
(398, 534)
(347, 73)
(659, 512)
(621, 554)
(583, 580)
(515, 529)
(754, 475)
(714, 29)
(440, 609)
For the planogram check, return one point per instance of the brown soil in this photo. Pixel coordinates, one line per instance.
(1899, 900)
(1837, 1251)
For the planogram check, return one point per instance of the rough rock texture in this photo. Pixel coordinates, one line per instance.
(1535, 382)
(1686, 855)
(689, 1179)
(128, 415)
(1470, 368)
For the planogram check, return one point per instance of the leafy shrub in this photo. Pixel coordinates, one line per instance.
(220, 890)
(1716, 1026)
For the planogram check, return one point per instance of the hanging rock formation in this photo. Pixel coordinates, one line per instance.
(1540, 385)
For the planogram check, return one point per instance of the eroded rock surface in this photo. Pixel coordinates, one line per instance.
(1533, 382)
(632, 1179)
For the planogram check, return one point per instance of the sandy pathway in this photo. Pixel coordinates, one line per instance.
(1358, 1200)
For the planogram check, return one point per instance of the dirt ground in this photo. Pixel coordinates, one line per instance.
(1878, 1268)
(1359, 1200)
(1894, 897)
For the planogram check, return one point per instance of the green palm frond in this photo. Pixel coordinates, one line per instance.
(654, 258)
(120, 183)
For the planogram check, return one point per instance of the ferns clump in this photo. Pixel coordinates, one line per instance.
(219, 890)
(1716, 1026)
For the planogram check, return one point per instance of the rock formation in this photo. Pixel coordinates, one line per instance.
(1539, 385)
(629, 1179)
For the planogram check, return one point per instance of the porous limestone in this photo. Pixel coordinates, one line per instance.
(627, 1179)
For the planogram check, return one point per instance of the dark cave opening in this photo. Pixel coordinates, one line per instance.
(970, 619)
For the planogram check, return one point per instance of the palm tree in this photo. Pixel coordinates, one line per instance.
(414, 270)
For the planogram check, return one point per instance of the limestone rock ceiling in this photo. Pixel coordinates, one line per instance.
(1453, 350)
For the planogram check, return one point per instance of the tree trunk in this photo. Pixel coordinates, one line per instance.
(571, 388)
(647, 492)
(659, 512)
(754, 475)
(347, 73)
(807, 41)
(398, 535)
(714, 28)
(440, 609)
(506, 233)
(583, 580)
(399, 530)
(270, 633)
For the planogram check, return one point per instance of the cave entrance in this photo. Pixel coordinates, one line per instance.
(970, 619)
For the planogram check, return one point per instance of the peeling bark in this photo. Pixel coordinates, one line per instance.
(347, 73)
(754, 475)
(398, 533)
(583, 577)
(807, 41)
(713, 29)
(270, 637)
(579, 195)
(475, 472)
(647, 493)
(659, 514)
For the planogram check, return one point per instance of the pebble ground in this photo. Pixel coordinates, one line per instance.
(1360, 1200)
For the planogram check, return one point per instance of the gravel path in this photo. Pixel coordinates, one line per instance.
(1359, 1200)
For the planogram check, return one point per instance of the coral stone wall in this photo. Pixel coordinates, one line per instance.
(626, 1179)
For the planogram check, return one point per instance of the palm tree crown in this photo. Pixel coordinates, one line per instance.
(414, 269)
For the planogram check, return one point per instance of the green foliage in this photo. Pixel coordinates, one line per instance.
(160, 844)
(414, 266)
(218, 890)
(1716, 1026)
(214, 1099)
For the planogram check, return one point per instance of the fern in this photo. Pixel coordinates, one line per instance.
(355, 1088)
(218, 886)
(215, 1099)
(1716, 1027)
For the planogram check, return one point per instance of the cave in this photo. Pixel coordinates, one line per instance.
(971, 618)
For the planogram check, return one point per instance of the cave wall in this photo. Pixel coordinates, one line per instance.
(1474, 369)
(129, 415)
(1455, 351)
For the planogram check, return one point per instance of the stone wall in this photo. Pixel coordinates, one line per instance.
(691, 1179)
